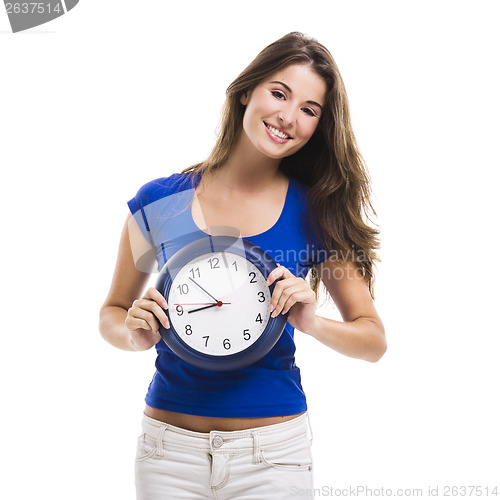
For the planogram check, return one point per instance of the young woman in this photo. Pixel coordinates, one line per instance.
(286, 174)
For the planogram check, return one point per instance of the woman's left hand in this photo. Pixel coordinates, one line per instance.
(295, 296)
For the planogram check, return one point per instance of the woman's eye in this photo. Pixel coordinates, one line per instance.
(278, 94)
(309, 112)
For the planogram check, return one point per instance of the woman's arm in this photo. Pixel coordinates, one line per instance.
(361, 334)
(125, 320)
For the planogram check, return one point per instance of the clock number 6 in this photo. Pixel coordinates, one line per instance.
(226, 344)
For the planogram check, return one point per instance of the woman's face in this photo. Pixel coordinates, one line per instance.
(283, 111)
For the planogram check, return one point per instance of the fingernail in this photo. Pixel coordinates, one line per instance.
(271, 307)
(274, 314)
(267, 282)
(164, 305)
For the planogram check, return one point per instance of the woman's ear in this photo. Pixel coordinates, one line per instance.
(244, 98)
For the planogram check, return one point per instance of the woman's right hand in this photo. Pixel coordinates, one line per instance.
(144, 317)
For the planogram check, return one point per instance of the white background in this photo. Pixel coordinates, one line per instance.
(116, 93)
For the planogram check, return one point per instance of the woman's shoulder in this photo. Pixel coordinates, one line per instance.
(164, 186)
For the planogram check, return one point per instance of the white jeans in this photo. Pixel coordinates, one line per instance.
(264, 463)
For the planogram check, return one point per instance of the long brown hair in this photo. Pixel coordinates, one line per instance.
(329, 164)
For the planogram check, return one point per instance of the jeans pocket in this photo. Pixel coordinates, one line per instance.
(295, 456)
(146, 447)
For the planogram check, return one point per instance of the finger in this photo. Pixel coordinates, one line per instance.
(147, 316)
(160, 314)
(287, 298)
(281, 285)
(278, 272)
(136, 323)
(296, 298)
(154, 294)
(151, 305)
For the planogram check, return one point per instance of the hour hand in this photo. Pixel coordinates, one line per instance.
(204, 307)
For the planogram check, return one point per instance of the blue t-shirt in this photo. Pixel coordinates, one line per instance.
(269, 387)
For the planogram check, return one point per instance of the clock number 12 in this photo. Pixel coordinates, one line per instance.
(214, 263)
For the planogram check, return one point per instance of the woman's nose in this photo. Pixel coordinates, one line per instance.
(286, 116)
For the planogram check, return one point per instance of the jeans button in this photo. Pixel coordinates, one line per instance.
(217, 442)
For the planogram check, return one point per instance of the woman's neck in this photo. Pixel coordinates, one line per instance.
(247, 169)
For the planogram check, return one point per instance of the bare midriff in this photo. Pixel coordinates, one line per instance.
(206, 424)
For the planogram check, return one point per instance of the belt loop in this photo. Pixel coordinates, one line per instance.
(159, 440)
(310, 429)
(256, 447)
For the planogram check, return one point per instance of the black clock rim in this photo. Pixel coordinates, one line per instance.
(269, 336)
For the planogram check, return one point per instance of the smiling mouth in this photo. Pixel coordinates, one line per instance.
(277, 132)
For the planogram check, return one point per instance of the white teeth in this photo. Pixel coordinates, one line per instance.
(277, 132)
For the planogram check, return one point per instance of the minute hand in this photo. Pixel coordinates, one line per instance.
(197, 284)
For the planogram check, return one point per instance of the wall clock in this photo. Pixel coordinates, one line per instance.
(218, 303)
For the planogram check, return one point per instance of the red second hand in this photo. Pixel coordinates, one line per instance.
(203, 303)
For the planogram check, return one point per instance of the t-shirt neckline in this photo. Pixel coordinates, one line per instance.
(255, 236)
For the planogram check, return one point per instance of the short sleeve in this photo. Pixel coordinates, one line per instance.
(158, 199)
(140, 205)
(161, 209)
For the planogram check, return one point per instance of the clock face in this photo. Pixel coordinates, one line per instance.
(218, 303)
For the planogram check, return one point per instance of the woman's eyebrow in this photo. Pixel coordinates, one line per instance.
(314, 103)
